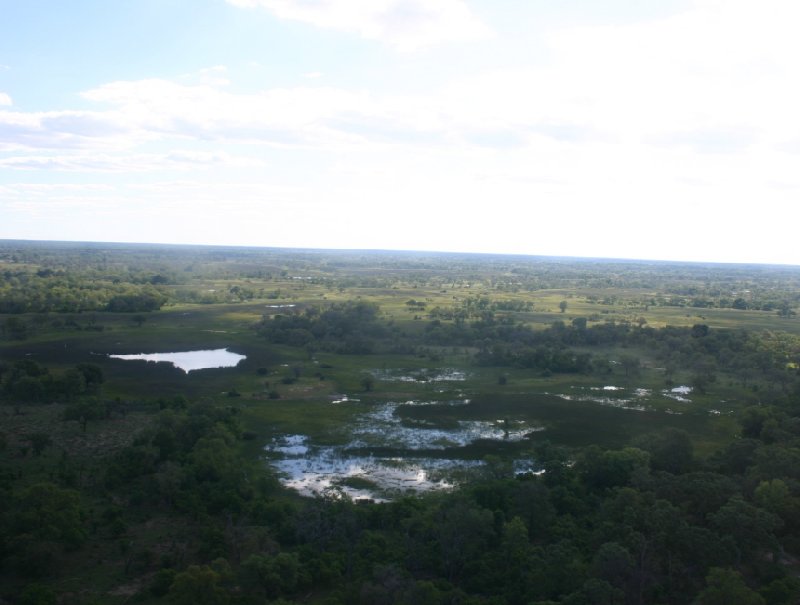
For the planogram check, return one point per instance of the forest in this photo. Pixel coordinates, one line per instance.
(404, 428)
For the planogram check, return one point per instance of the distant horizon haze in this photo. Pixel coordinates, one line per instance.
(313, 249)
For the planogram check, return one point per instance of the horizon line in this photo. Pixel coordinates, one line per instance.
(565, 257)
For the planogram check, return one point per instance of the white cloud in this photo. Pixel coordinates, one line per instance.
(214, 76)
(5, 100)
(700, 81)
(57, 130)
(722, 66)
(406, 25)
(277, 116)
(125, 163)
(149, 110)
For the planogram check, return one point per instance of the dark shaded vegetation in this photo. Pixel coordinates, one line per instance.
(162, 499)
(349, 328)
(646, 524)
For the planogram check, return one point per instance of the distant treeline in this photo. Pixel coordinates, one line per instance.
(46, 291)
(496, 339)
(75, 277)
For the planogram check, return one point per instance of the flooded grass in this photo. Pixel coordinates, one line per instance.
(420, 375)
(446, 428)
(335, 470)
(420, 445)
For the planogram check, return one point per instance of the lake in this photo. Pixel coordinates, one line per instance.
(190, 360)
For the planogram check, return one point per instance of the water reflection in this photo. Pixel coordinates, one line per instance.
(317, 470)
(421, 375)
(312, 470)
(190, 360)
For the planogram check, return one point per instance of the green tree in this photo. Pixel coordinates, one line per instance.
(15, 329)
(72, 384)
(269, 575)
(630, 365)
(726, 587)
(367, 382)
(614, 564)
(92, 374)
(579, 323)
(37, 594)
(670, 450)
(752, 528)
(784, 591)
(198, 585)
(28, 389)
(603, 469)
(39, 441)
(48, 512)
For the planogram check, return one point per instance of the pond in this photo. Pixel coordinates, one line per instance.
(190, 360)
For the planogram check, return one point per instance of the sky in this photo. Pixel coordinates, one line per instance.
(652, 129)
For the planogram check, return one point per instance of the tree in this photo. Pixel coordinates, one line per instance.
(198, 585)
(726, 587)
(39, 441)
(269, 575)
(611, 468)
(462, 532)
(367, 382)
(785, 310)
(784, 591)
(579, 323)
(614, 564)
(15, 329)
(48, 512)
(630, 365)
(29, 389)
(751, 527)
(85, 410)
(704, 374)
(92, 374)
(562, 305)
(72, 384)
(670, 450)
(37, 594)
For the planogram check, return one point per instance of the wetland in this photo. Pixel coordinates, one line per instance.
(350, 415)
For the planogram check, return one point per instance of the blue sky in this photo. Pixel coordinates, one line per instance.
(663, 130)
